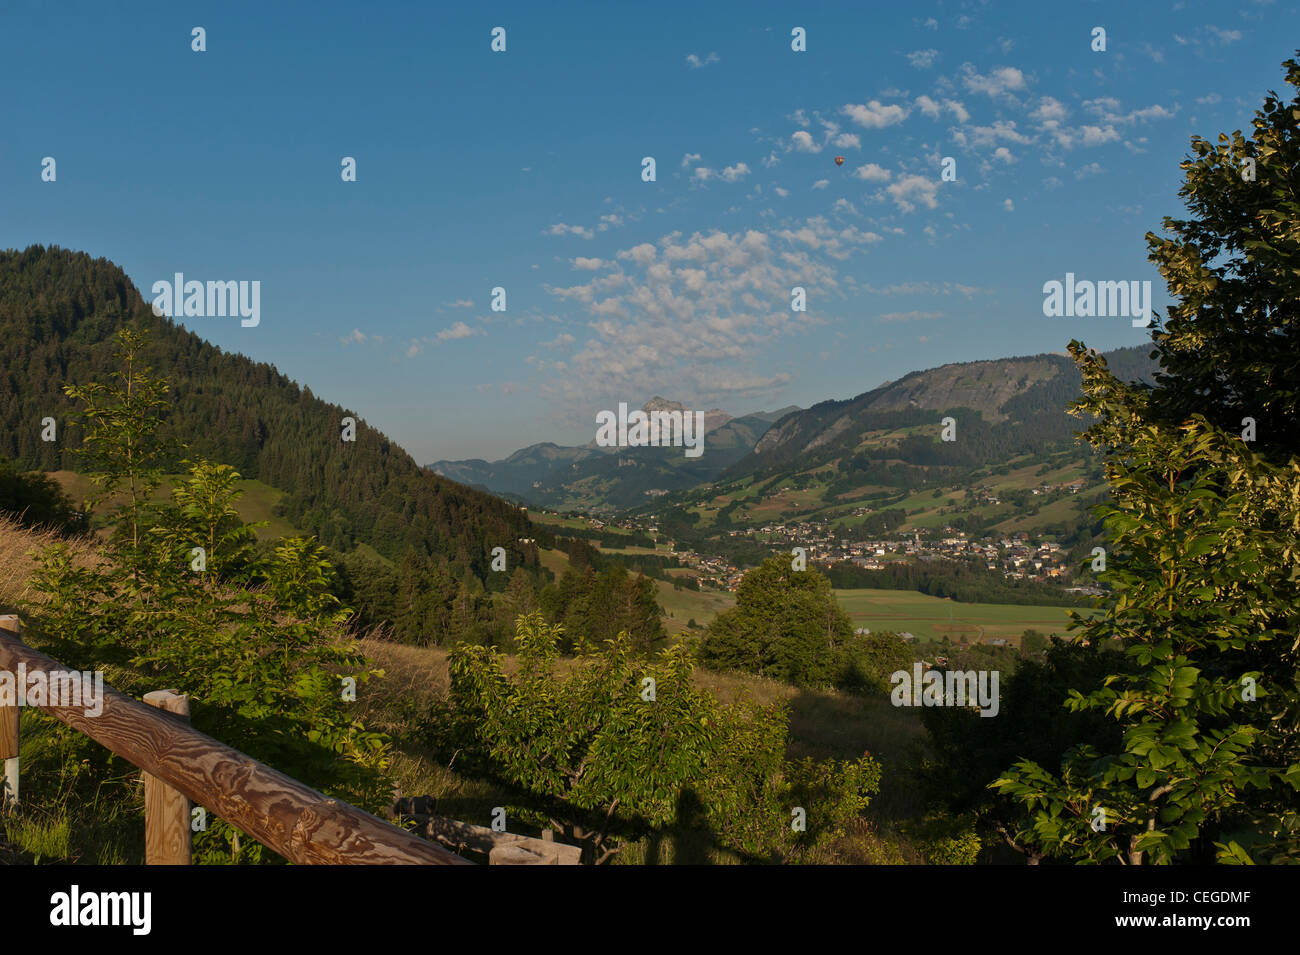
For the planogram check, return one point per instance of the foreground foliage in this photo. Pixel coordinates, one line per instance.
(596, 745)
(1205, 541)
(180, 599)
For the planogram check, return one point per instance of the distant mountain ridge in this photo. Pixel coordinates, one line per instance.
(592, 477)
(1021, 400)
(1010, 404)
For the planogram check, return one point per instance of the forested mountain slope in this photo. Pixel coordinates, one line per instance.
(59, 311)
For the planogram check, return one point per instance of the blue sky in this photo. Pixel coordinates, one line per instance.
(522, 170)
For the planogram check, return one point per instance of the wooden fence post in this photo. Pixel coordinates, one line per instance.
(167, 839)
(301, 824)
(9, 724)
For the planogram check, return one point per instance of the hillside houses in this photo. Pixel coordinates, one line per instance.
(1015, 555)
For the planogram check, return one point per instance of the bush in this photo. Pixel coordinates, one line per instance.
(627, 747)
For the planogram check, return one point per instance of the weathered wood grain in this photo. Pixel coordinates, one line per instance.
(167, 839)
(293, 819)
(10, 722)
(514, 853)
(462, 835)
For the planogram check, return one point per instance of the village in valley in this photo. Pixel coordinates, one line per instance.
(1016, 556)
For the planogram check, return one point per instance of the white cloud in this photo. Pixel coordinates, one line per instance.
(957, 109)
(642, 254)
(874, 115)
(820, 235)
(1049, 110)
(821, 183)
(1008, 205)
(690, 314)
(561, 229)
(587, 264)
(690, 158)
(1004, 154)
(1224, 36)
(356, 337)
(922, 59)
(928, 107)
(1092, 169)
(804, 142)
(848, 141)
(1096, 135)
(1004, 79)
(781, 192)
(609, 221)
(1155, 111)
(910, 190)
(735, 173)
(1106, 108)
(1002, 129)
(696, 63)
(457, 331)
(872, 173)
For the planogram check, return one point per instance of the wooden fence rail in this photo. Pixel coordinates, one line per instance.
(299, 823)
(500, 848)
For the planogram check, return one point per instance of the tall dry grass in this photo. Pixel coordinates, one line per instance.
(19, 547)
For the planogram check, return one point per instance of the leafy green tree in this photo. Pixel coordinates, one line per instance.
(203, 515)
(259, 643)
(121, 418)
(1202, 541)
(599, 744)
(35, 500)
(786, 624)
(867, 660)
(1033, 643)
(1205, 600)
(1230, 345)
(966, 751)
(520, 595)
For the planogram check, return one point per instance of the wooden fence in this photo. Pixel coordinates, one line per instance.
(182, 765)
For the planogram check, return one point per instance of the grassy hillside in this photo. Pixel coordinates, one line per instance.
(256, 503)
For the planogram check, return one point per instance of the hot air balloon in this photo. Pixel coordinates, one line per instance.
(839, 160)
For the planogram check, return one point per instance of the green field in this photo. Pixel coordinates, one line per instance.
(660, 551)
(933, 618)
(556, 561)
(256, 501)
(573, 523)
(256, 504)
(682, 606)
